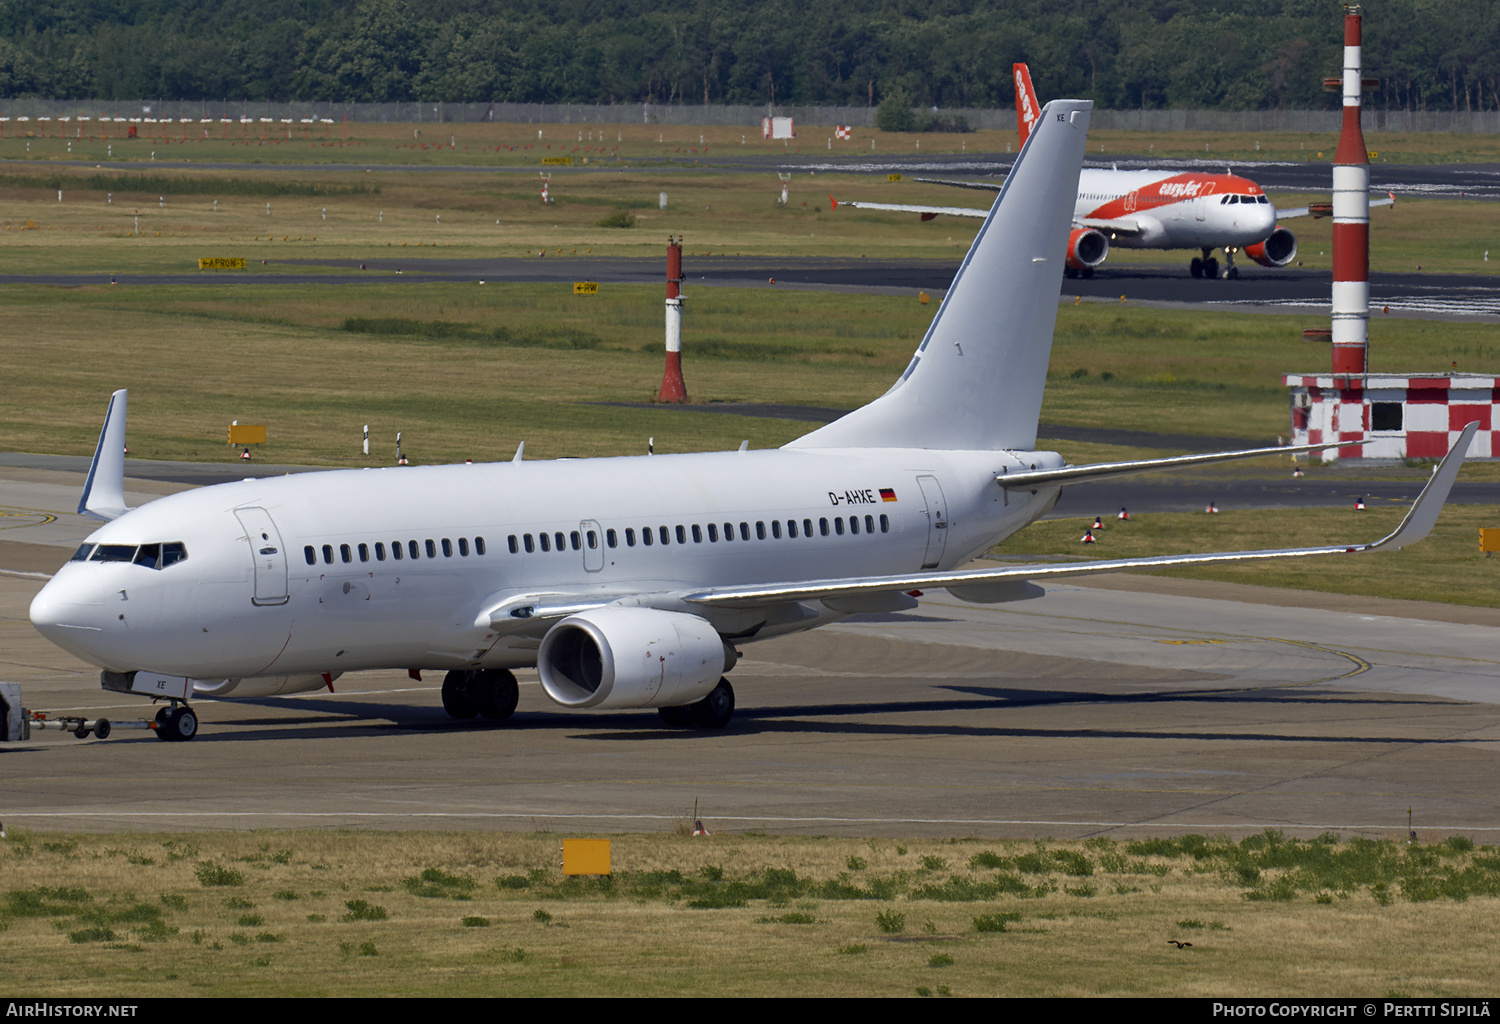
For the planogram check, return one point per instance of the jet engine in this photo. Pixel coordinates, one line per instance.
(1276, 251)
(631, 658)
(1087, 248)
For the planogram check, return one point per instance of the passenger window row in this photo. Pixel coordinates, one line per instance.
(152, 556)
(714, 533)
(346, 553)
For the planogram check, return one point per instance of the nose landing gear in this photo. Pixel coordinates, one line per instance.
(176, 724)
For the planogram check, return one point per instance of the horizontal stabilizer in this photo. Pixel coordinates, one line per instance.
(1100, 470)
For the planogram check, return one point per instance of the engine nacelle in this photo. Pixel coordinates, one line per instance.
(1276, 251)
(631, 658)
(1087, 248)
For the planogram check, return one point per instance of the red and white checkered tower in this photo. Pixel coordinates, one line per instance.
(672, 387)
(1351, 218)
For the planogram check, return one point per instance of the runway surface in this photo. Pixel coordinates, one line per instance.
(1119, 705)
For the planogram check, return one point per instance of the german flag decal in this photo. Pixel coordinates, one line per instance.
(887, 494)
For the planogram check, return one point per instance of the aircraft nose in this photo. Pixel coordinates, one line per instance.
(67, 614)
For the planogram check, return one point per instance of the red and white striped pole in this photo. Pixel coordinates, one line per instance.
(1351, 218)
(672, 387)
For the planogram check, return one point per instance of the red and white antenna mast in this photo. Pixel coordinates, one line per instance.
(672, 387)
(1351, 218)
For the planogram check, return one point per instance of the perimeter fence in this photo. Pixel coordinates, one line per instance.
(1003, 119)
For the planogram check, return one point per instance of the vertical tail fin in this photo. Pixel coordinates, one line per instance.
(976, 380)
(1027, 109)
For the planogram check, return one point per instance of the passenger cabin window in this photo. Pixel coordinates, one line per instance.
(413, 550)
(478, 545)
(309, 554)
(396, 550)
(327, 554)
(380, 551)
(447, 548)
(431, 548)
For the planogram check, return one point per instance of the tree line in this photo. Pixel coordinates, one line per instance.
(1124, 54)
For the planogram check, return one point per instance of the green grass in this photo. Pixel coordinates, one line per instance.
(748, 914)
(1446, 567)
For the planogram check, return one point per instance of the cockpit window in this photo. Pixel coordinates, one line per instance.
(152, 556)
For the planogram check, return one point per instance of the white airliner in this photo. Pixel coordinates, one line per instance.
(1152, 210)
(627, 582)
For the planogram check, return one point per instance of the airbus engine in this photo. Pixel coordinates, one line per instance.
(1276, 251)
(1087, 248)
(631, 658)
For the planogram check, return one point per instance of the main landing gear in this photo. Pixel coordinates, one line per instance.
(176, 724)
(712, 712)
(491, 692)
(1207, 266)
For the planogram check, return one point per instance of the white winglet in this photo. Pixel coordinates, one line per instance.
(104, 490)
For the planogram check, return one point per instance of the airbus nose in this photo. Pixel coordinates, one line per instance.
(69, 614)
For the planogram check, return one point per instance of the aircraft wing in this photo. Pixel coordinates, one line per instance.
(983, 186)
(1326, 209)
(1116, 226)
(927, 212)
(992, 584)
